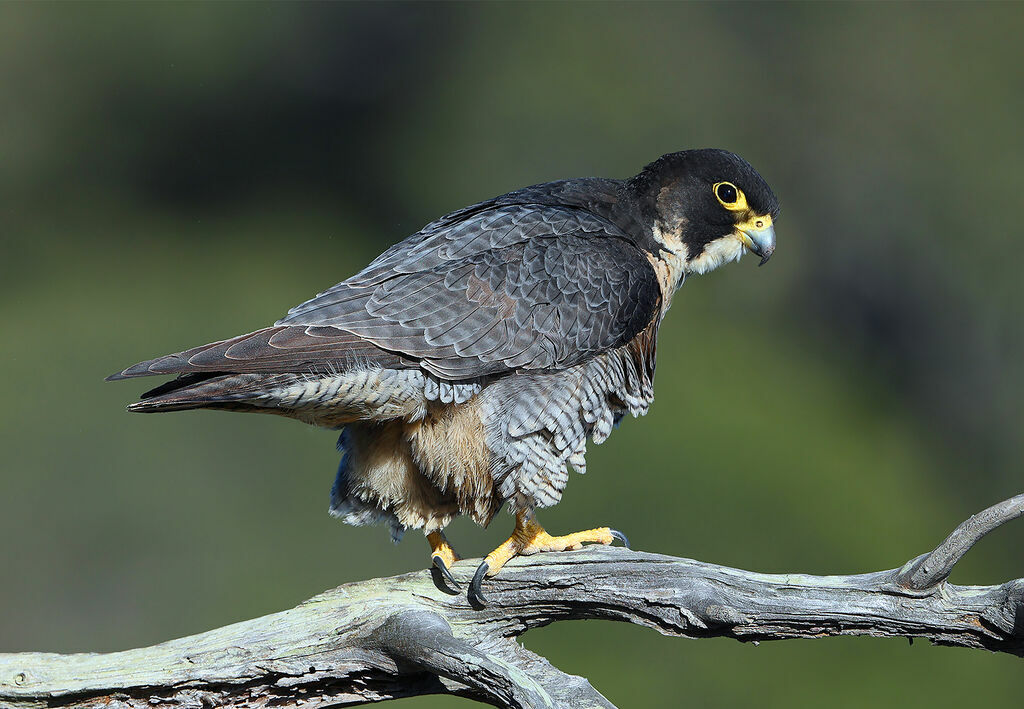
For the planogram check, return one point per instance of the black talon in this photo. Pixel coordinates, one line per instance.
(475, 594)
(616, 534)
(443, 568)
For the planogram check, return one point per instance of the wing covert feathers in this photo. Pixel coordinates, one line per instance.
(488, 291)
(518, 287)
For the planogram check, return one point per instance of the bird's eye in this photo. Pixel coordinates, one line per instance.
(731, 197)
(726, 193)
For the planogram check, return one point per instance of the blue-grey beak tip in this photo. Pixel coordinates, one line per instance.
(762, 242)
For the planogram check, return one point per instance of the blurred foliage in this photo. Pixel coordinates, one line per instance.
(172, 174)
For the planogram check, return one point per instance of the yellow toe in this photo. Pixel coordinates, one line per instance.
(529, 537)
(441, 550)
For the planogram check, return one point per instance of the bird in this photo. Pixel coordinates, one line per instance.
(468, 366)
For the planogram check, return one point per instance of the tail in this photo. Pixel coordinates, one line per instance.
(240, 392)
(242, 373)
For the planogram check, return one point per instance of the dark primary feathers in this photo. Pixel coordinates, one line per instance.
(539, 279)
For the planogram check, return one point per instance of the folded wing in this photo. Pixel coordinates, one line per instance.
(485, 291)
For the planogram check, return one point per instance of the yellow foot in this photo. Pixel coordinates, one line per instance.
(527, 538)
(443, 556)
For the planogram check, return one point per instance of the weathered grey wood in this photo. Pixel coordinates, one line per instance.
(407, 635)
(929, 569)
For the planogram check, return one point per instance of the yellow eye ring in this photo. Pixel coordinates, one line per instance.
(730, 196)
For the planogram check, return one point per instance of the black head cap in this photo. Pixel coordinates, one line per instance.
(676, 193)
(706, 166)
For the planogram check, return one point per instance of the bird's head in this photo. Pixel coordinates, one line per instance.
(706, 207)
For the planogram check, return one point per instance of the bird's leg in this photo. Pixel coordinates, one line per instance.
(443, 556)
(529, 537)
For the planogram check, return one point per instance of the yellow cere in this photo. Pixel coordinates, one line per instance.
(755, 222)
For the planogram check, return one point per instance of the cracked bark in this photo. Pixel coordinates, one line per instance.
(408, 635)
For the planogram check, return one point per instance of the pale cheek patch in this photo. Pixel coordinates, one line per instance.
(718, 252)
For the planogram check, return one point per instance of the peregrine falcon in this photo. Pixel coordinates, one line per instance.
(468, 365)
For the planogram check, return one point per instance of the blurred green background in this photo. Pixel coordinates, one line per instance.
(176, 174)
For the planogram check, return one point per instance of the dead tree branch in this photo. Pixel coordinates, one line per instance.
(408, 635)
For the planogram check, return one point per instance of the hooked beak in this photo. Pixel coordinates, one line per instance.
(759, 241)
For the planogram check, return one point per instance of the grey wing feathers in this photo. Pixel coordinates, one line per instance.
(272, 349)
(514, 287)
(487, 290)
(446, 241)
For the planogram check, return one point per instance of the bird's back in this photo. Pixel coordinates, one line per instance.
(538, 279)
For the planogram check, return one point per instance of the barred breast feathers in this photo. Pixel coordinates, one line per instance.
(538, 424)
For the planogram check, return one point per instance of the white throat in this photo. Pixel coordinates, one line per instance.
(723, 250)
(672, 267)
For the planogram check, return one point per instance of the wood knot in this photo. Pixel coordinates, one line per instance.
(717, 614)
